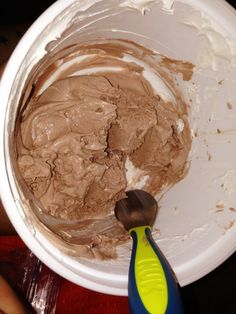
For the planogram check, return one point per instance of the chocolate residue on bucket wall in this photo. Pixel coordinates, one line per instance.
(94, 110)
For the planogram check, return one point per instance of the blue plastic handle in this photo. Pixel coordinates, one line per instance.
(137, 306)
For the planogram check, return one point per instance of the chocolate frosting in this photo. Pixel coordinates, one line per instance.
(75, 138)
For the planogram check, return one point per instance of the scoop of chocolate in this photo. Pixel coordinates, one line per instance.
(84, 139)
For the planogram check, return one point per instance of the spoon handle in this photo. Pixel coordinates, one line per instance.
(152, 284)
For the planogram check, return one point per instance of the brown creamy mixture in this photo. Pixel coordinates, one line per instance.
(74, 140)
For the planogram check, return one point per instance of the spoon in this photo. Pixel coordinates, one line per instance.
(152, 286)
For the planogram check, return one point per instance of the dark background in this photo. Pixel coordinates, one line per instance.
(213, 294)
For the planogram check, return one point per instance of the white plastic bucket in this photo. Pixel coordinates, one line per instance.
(197, 216)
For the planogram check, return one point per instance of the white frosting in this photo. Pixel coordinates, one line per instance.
(145, 5)
(168, 6)
(217, 47)
(136, 178)
(141, 5)
(180, 125)
(97, 70)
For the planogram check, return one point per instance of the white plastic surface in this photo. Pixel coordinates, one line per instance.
(197, 216)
